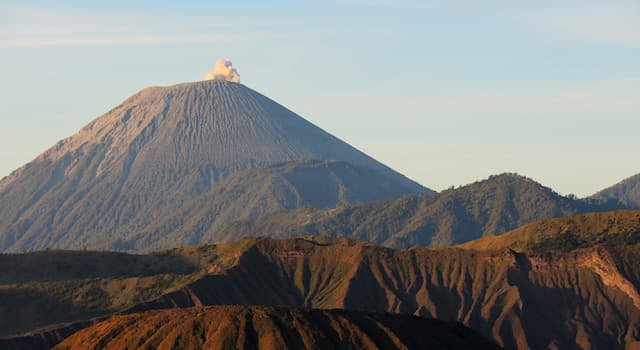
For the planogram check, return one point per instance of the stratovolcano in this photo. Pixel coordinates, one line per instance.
(164, 148)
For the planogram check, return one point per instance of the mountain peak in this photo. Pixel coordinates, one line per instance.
(484, 208)
(507, 183)
(511, 178)
(214, 122)
(164, 146)
(626, 192)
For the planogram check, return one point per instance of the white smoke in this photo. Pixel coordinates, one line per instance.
(223, 70)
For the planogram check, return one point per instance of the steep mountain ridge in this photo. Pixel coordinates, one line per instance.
(484, 208)
(508, 296)
(156, 152)
(626, 192)
(585, 298)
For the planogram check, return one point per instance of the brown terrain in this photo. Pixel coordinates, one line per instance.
(582, 297)
(567, 233)
(253, 327)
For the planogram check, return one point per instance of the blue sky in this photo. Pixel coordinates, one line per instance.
(446, 92)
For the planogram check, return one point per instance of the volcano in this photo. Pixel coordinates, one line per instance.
(164, 149)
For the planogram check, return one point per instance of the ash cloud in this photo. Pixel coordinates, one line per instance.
(223, 70)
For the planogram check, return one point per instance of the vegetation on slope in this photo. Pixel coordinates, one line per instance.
(44, 288)
(568, 233)
(626, 192)
(145, 222)
(252, 194)
(485, 208)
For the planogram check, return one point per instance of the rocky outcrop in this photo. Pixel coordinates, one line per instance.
(600, 261)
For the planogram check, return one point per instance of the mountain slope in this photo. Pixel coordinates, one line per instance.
(251, 194)
(485, 208)
(585, 298)
(588, 298)
(241, 327)
(45, 288)
(567, 233)
(627, 192)
(156, 152)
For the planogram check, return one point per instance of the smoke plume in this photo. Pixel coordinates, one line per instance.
(223, 70)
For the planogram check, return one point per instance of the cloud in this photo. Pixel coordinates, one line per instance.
(223, 70)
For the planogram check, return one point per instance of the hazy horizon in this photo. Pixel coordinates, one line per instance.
(446, 94)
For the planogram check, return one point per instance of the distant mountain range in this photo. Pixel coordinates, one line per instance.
(577, 297)
(626, 192)
(211, 143)
(485, 208)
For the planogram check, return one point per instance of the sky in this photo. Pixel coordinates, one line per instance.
(446, 92)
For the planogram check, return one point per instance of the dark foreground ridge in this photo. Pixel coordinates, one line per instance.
(586, 297)
(253, 327)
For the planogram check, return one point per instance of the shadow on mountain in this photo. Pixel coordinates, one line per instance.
(56, 265)
(238, 285)
(30, 309)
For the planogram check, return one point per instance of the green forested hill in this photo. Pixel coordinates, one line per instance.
(627, 192)
(568, 233)
(485, 208)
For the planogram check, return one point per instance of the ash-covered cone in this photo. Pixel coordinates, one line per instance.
(166, 146)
